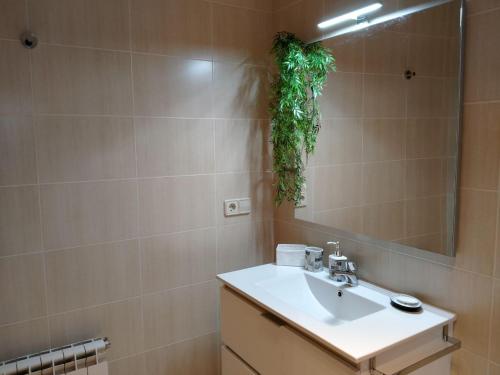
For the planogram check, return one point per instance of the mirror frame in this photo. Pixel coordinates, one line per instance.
(452, 209)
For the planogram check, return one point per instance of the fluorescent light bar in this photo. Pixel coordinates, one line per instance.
(350, 16)
(382, 19)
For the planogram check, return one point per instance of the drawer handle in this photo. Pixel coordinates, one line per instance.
(273, 319)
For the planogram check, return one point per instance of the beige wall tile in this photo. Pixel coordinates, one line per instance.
(384, 96)
(262, 5)
(438, 21)
(241, 35)
(300, 18)
(128, 366)
(495, 328)
(349, 219)
(240, 91)
(423, 216)
(172, 27)
(244, 245)
(419, 277)
(179, 314)
(15, 86)
(433, 56)
(497, 268)
(383, 182)
(431, 242)
(174, 146)
(171, 86)
(337, 186)
(242, 145)
(432, 97)
(339, 141)
(348, 52)
(482, 57)
(81, 81)
(470, 298)
(477, 6)
(17, 142)
(466, 363)
(365, 254)
(100, 274)
(19, 220)
(256, 186)
(120, 322)
(342, 95)
(21, 288)
(84, 213)
(494, 369)
(477, 217)
(12, 18)
(383, 139)
(175, 204)
(22, 338)
(480, 164)
(427, 138)
(91, 23)
(197, 356)
(385, 221)
(178, 259)
(425, 177)
(386, 53)
(84, 148)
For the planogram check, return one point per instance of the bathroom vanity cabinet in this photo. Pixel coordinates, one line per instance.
(255, 341)
(271, 325)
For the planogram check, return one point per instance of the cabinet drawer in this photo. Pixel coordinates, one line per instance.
(232, 365)
(304, 356)
(247, 330)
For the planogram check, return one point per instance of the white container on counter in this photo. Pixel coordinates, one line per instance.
(290, 255)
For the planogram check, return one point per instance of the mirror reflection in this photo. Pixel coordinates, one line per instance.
(386, 161)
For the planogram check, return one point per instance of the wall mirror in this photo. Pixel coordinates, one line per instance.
(386, 163)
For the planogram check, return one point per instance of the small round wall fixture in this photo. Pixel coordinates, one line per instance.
(409, 74)
(29, 40)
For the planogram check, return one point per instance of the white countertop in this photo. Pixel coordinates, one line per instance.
(358, 340)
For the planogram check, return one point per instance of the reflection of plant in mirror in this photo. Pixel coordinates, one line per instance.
(303, 70)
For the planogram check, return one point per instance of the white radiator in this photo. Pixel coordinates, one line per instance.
(81, 358)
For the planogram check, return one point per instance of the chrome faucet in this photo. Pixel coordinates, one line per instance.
(341, 269)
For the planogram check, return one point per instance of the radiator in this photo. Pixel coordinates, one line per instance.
(80, 358)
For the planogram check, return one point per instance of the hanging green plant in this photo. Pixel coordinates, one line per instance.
(303, 70)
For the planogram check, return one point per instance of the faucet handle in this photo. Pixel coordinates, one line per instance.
(352, 267)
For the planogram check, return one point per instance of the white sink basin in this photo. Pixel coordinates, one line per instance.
(319, 298)
(359, 325)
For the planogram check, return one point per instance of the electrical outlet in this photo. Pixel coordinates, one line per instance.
(239, 206)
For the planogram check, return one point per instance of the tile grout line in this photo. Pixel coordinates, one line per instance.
(37, 169)
(137, 238)
(391, 251)
(214, 142)
(142, 352)
(138, 200)
(108, 303)
(495, 260)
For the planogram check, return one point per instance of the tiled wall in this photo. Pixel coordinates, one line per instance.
(469, 286)
(387, 144)
(120, 136)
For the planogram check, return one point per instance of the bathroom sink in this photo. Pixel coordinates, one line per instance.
(358, 322)
(319, 297)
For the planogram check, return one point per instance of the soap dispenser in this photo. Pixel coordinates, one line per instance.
(336, 261)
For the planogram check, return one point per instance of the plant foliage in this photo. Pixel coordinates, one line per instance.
(303, 70)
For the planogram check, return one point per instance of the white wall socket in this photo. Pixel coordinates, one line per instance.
(237, 206)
